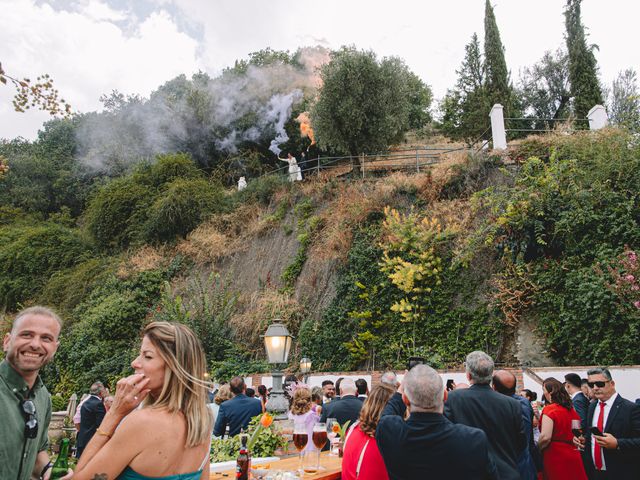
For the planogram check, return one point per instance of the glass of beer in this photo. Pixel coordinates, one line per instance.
(300, 439)
(319, 439)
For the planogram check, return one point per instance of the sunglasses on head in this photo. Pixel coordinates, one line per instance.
(31, 422)
(599, 383)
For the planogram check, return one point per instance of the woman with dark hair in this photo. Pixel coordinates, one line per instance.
(262, 395)
(560, 458)
(362, 458)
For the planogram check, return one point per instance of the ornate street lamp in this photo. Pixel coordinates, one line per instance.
(305, 368)
(277, 342)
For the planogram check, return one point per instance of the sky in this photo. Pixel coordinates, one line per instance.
(92, 47)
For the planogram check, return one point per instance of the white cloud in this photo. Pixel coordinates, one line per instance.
(87, 55)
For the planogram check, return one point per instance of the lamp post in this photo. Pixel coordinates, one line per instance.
(305, 368)
(277, 342)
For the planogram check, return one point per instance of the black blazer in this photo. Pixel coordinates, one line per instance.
(428, 445)
(91, 414)
(347, 408)
(581, 405)
(498, 416)
(237, 413)
(623, 423)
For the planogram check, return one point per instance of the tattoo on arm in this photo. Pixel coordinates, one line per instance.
(100, 476)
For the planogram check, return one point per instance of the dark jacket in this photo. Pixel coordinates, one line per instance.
(581, 404)
(623, 423)
(237, 413)
(499, 416)
(428, 445)
(91, 414)
(347, 408)
(527, 458)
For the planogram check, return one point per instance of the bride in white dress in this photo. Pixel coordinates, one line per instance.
(295, 174)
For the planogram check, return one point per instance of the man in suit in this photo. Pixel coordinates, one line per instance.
(328, 391)
(504, 382)
(347, 408)
(237, 412)
(499, 416)
(363, 389)
(616, 454)
(427, 444)
(573, 385)
(91, 414)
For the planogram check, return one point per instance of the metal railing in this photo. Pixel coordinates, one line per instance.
(370, 164)
(538, 125)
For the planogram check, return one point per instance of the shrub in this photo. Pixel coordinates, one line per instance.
(103, 340)
(116, 213)
(58, 403)
(67, 288)
(168, 168)
(181, 206)
(29, 255)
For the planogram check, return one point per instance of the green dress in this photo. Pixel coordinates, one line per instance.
(130, 474)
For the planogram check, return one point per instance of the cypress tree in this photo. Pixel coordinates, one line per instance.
(583, 69)
(498, 89)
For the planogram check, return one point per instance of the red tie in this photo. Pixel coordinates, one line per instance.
(597, 451)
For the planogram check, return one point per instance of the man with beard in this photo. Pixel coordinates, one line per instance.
(25, 403)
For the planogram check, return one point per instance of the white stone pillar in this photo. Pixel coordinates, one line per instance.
(497, 128)
(597, 118)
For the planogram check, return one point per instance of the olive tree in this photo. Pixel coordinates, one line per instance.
(365, 104)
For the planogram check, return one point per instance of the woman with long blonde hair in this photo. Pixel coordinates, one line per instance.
(159, 426)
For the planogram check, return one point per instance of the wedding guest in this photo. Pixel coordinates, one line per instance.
(328, 390)
(316, 398)
(499, 416)
(391, 379)
(262, 395)
(615, 454)
(222, 395)
(170, 435)
(362, 458)
(362, 388)
(91, 415)
(428, 445)
(347, 408)
(301, 412)
(560, 459)
(237, 412)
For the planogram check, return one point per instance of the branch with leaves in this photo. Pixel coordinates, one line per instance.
(40, 94)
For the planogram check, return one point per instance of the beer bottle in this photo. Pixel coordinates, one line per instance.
(244, 461)
(61, 467)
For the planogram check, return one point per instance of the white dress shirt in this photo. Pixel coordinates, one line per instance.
(594, 423)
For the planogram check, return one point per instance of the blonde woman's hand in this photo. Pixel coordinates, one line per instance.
(130, 392)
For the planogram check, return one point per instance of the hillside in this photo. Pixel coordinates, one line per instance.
(528, 255)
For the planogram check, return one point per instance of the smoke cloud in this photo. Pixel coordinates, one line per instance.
(203, 116)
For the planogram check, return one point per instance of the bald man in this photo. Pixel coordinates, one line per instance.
(504, 382)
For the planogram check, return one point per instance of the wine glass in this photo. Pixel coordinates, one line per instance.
(333, 427)
(319, 439)
(576, 428)
(300, 439)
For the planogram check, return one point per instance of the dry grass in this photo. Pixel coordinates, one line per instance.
(223, 235)
(260, 308)
(143, 259)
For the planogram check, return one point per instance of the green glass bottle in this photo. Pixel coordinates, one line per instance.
(61, 467)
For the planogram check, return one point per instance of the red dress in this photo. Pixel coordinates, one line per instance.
(561, 460)
(362, 449)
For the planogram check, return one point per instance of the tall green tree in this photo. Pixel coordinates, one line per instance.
(544, 89)
(583, 69)
(498, 89)
(465, 108)
(624, 105)
(364, 104)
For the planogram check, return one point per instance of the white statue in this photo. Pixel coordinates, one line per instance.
(242, 184)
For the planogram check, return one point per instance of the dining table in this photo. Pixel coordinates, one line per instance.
(331, 468)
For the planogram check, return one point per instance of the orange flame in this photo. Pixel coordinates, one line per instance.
(305, 127)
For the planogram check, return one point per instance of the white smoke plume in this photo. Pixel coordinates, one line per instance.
(202, 115)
